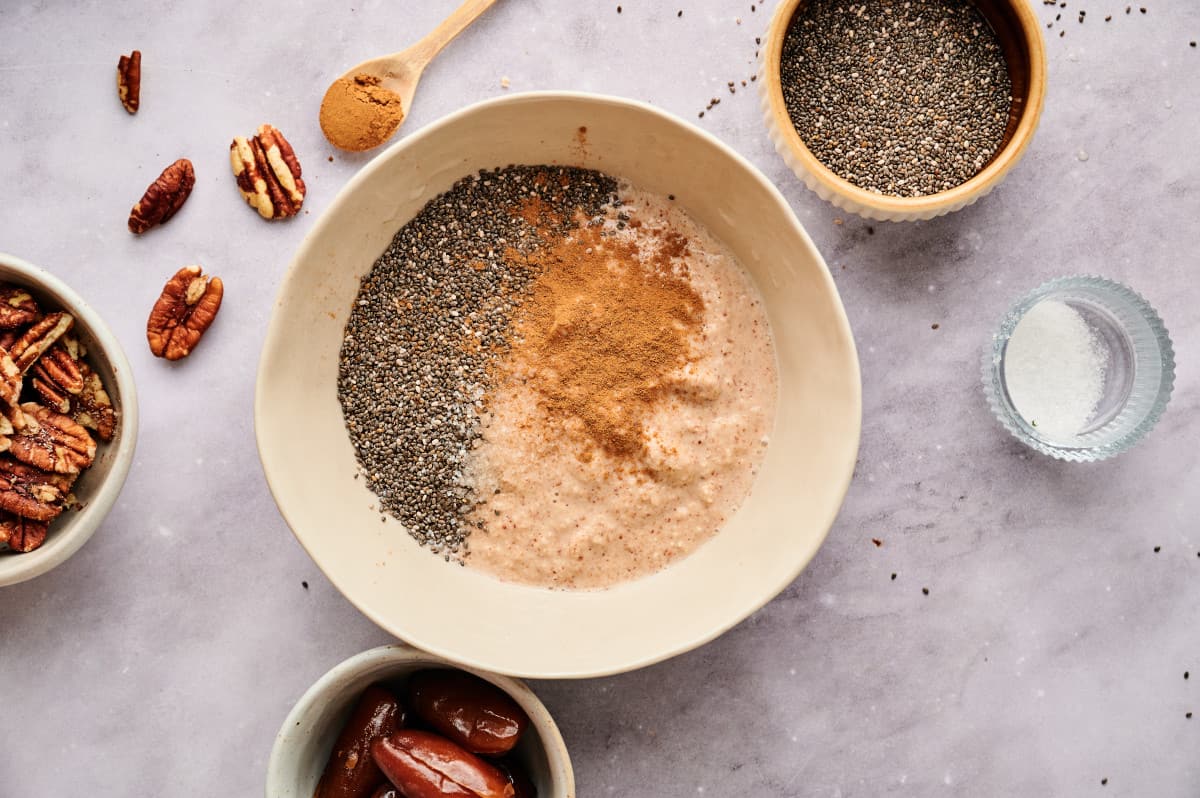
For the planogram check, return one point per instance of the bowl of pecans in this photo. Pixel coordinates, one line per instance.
(68, 420)
(902, 111)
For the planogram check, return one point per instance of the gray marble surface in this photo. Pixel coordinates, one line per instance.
(1050, 651)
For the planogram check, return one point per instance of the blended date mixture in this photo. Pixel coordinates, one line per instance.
(558, 379)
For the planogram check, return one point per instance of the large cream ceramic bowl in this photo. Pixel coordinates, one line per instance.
(473, 618)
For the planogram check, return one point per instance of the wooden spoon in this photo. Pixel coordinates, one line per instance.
(365, 106)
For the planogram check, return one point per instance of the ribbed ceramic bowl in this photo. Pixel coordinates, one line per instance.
(99, 486)
(461, 613)
(1139, 372)
(1020, 35)
(306, 738)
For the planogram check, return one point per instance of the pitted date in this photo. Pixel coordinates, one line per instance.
(351, 772)
(468, 710)
(386, 791)
(424, 765)
(517, 777)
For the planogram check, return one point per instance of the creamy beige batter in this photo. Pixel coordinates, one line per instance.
(557, 517)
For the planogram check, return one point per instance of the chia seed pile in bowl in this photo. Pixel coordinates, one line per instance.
(905, 98)
(430, 318)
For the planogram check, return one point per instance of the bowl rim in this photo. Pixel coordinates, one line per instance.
(275, 333)
(888, 207)
(30, 565)
(992, 367)
(397, 653)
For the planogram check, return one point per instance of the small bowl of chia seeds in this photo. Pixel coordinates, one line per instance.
(902, 111)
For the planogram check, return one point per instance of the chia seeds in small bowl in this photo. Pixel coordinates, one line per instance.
(902, 111)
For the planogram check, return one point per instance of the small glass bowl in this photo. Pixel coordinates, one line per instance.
(1139, 374)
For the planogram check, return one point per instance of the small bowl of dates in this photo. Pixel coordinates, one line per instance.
(68, 420)
(395, 722)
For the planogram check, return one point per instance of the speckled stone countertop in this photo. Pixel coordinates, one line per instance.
(1048, 657)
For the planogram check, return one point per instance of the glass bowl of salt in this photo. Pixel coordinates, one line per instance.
(1081, 369)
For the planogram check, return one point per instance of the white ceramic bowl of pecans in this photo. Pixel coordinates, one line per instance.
(68, 420)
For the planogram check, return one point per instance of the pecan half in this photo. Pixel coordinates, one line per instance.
(10, 380)
(17, 307)
(57, 377)
(22, 534)
(30, 492)
(92, 407)
(129, 80)
(52, 441)
(268, 173)
(164, 197)
(26, 350)
(186, 308)
(68, 385)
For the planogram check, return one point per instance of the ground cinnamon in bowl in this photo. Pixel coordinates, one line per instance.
(359, 113)
(596, 336)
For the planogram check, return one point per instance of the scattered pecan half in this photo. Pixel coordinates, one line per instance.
(52, 441)
(17, 307)
(39, 338)
(268, 173)
(22, 534)
(164, 197)
(186, 308)
(30, 492)
(129, 80)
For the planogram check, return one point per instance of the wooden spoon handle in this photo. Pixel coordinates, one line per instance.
(450, 27)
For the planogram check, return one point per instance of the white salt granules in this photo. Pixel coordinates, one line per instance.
(1054, 367)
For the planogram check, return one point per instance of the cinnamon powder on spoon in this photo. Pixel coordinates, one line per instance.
(360, 113)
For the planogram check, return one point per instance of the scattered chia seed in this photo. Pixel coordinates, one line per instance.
(429, 318)
(905, 99)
